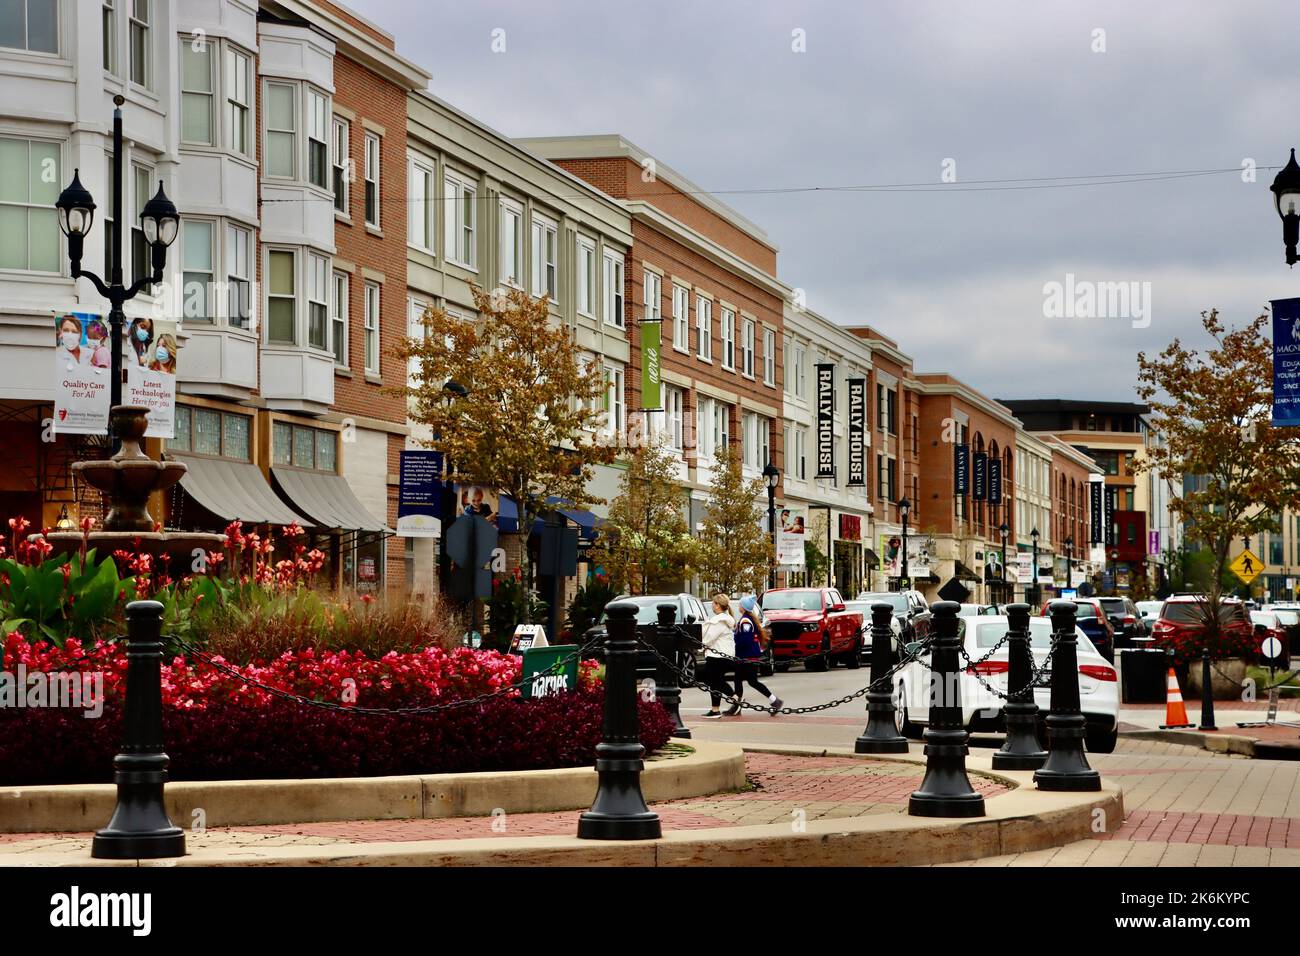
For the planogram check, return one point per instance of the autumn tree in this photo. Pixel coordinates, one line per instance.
(734, 548)
(527, 421)
(1213, 411)
(645, 544)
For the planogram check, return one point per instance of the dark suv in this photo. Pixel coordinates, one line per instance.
(1124, 620)
(691, 614)
(910, 611)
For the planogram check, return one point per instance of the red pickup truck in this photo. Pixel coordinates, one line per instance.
(812, 624)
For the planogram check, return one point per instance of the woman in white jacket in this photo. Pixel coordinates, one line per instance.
(719, 638)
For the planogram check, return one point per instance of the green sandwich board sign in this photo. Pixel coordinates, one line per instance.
(542, 678)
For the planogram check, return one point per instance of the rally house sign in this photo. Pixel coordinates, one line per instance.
(825, 421)
(857, 432)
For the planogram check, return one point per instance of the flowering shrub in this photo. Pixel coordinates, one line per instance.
(218, 727)
(1185, 643)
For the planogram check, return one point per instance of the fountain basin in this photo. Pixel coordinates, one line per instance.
(185, 550)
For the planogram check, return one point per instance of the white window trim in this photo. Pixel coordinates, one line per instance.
(615, 400)
(511, 208)
(769, 357)
(704, 328)
(230, 54)
(335, 276)
(208, 49)
(451, 211)
(377, 180)
(612, 266)
(748, 346)
(369, 328)
(321, 265)
(590, 288)
(420, 165)
(682, 318)
(294, 251)
(228, 269)
(538, 283)
(62, 262)
(728, 342)
(209, 292)
(296, 132)
(343, 163)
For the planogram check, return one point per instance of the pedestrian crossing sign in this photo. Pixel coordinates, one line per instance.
(1246, 566)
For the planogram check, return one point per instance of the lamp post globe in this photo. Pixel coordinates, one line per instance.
(160, 220)
(1286, 198)
(76, 208)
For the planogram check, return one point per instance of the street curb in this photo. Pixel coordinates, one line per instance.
(713, 767)
(1221, 743)
(1018, 821)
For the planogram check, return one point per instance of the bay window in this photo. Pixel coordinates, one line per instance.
(196, 92)
(318, 283)
(341, 164)
(318, 121)
(30, 180)
(281, 297)
(238, 102)
(339, 318)
(239, 245)
(198, 270)
(141, 53)
(281, 130)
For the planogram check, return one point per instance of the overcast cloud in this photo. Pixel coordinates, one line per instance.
(884, 93)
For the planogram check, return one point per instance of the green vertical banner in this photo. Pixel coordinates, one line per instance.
(651, 336)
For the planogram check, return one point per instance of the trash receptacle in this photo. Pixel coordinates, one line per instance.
(1143, 673)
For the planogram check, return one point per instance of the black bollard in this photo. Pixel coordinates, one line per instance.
(667, 690)
(946, 790)
(619, 811)
(881, 735)
(140, 827)
(1021, 750)
(1067, 765)
(1207, 692)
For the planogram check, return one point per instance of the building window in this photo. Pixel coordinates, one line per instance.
(769, 357)
(339, 318)
(141, 68)
(318, 291)
(109, 35)
(681, 318)
(704, 328)
(544, 239)
(615, 405)
(728, 339)
(747, 347)
(281, 301)
(196, 257)
(673, 404)
(318, 150)
(801, 453)
(141, 254)
(652, 290)
(30, 25)
(238, 104)
(30, 180)
(459, 219)
(800, 372)
(281, 129)
(239, 245)
(372, 180)
(721, 427)
(420, 192)
(342, 164)
(586, 277)
(372, 328)
(206, 431)
(704, 427)
(301, 446)
(512, 243)
(196, 91)
(755, 438)
(613, 289)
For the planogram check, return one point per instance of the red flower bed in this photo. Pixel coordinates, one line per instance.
(216, 727)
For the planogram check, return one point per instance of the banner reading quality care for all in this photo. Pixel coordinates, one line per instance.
(149, 355)
(82, 374)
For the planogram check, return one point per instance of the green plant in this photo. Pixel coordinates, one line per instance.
(513, 603)
(60, 597)
(587, 605)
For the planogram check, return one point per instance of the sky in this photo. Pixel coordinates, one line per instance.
(760, 102)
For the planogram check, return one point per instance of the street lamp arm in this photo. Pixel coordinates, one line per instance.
(100, 286)
(141, 284)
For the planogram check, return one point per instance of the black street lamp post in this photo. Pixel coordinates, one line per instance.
(1004, 530)
(1286, 196)
(773, 477)
(160, 223)
(1069, 562)
(1114, 569)
(1034, 536)
(904, 582)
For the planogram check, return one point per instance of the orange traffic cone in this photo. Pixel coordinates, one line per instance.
(1175, 712)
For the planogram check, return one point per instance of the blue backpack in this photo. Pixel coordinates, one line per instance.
(748, 643)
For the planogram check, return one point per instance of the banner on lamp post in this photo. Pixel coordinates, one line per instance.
(651, 357)
(857, 432)
(825, 420)
(82, 374)
(1286, 362)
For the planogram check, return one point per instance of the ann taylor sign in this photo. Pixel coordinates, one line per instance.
(857, 432)
(825, 421)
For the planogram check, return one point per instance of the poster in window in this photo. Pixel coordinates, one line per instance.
(82, 374)
(150, 357)
(791, 532)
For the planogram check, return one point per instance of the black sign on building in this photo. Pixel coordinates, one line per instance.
(1110, 517)
(857, 432)
(1095, 512)
(961, 469)
(995, 481)
(980, 474)
(825, 421)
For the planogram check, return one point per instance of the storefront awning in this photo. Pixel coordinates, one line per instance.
(327, 499)
(234, 491)
(508, 518)
(873, 559)
(963, 573)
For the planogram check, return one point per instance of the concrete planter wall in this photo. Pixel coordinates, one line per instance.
(1221, 686)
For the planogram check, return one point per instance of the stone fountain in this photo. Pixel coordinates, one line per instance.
(127, 480)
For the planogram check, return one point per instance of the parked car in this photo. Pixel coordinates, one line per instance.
(813, 624)
(1268, 623)
(1092, 620)
(1183, 616)
(977, 610)
(1123, 616)
(691, 614)
(864, 608)
(1148, 611)
(982, 711)
(910, 608)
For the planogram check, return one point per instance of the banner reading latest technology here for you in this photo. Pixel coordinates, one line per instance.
(149, 356)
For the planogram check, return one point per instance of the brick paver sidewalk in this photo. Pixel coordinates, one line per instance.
(822, 788)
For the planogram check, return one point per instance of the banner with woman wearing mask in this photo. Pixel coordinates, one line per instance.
(81, 374)
(151, 376)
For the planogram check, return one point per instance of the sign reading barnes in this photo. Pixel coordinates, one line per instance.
(961, 469)
(1286, 362)
(995, 481)
(857, 432)
(981, 477)
(825, 421)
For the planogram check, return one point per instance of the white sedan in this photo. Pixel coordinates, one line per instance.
(982, 710)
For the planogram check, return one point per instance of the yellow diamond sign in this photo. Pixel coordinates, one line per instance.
(1246, 566)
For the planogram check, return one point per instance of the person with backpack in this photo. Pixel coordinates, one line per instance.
(751, 640)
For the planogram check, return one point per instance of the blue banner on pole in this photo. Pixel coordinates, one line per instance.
(419, 493)
(1286, 362)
